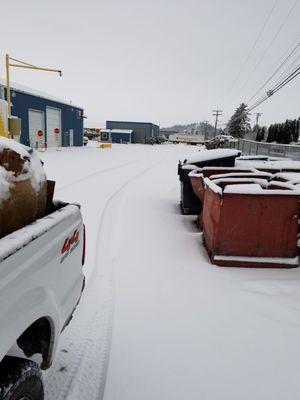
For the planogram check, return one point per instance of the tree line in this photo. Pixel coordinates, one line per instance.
(239, 126)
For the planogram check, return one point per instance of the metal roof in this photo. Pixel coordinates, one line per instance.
(116, 130)
(25, 89)
(132, 122)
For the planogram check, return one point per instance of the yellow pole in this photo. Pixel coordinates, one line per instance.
(7, 89)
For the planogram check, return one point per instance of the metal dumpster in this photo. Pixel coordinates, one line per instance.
(189, 202)
(197, 176)
(250, 225)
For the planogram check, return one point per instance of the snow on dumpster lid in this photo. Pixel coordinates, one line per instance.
(206, 155)
(246, 168)
(241, 174)
(189, 167)
(243, 188)
(196, 172)
(270, 163)
(288, 176)
(259, 181)
(211, 184)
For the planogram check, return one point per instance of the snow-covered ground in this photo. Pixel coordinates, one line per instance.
(157, 321)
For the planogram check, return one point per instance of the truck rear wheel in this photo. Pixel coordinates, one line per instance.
(20, 379)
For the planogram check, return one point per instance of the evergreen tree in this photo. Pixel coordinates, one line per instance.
(295, 130)
(271, 131)
(238, 125)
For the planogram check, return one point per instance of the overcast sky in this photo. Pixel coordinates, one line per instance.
(164, 61)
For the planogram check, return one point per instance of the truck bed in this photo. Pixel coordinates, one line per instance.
(41, 275)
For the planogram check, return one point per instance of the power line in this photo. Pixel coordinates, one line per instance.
(253, 46)
(288, 70)
(275, 72)
(277, 87)
(271, 42)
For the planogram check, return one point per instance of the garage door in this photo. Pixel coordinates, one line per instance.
(36, 123)
(53, 121)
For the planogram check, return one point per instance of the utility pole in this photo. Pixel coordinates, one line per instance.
(217, 113)
(258, 115)
(205, 130)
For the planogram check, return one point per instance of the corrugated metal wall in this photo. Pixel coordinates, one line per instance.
(71, 117)
(142, 131)
(120, 137)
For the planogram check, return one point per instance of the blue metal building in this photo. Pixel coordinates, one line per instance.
(39, 111)
(142, 132)
(117, 135)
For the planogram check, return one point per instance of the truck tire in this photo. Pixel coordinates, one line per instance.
(20, 379)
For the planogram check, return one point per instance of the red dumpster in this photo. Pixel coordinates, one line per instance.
(247, 225)
(196, 176)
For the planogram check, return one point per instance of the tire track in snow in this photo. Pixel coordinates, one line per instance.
(80, 370)
(100, 171)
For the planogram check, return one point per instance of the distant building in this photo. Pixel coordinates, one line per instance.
(142, 132)
(42, 112)
(168, 132)
(116, 135)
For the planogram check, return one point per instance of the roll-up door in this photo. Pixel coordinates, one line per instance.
(53, 121)
(36, 123)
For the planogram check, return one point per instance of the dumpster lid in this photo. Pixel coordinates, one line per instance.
(292, 177)
(243, 188)
(242, 174)
(189, 167)
(207, 155)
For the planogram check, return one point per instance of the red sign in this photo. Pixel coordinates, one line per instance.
(97, 130)
(56, 130)
(40, 133)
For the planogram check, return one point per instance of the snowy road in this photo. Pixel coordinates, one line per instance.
(157, 320)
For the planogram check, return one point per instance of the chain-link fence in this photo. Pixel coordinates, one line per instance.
(250, 147)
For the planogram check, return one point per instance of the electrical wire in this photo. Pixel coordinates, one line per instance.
(276, 71)
(271, 42)
(276, 88)
(253, 46)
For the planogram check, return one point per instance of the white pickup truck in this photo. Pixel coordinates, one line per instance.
(41, 281)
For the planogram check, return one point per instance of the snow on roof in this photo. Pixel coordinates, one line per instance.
(116, 130)
(25, 89)
(206, 155)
